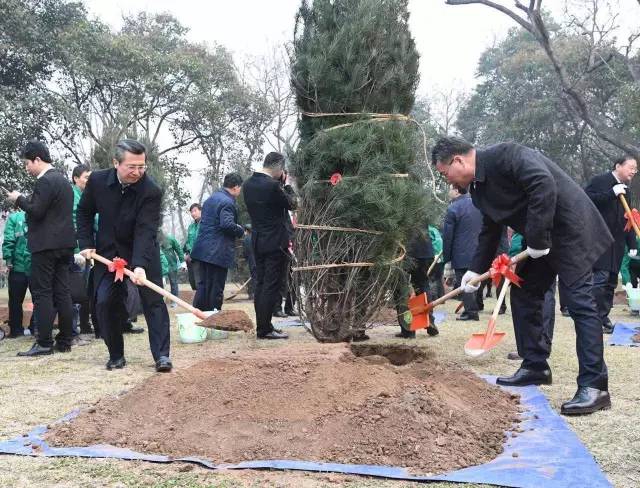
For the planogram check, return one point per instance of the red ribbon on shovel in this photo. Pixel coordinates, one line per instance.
(117, 266)
(635, 215)
(500, 267)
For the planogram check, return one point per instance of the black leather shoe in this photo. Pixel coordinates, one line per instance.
(502, 311)
(586, 400)
(274, 335)
(280, 314)
(406, 334)
(59, 347)
(291, 313)
(36, 350)
(432, 330)
(525, 377)
(607, 329)
(163, 364)
(133, 330)
(514, 356)
(565, 312)
(464, 316)
(116, 364)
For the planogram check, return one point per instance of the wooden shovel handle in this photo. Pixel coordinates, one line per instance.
(454, 293)
(149, 284)
(433, 265)
(627, 210)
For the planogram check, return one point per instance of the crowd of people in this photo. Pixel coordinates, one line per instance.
(504, 199)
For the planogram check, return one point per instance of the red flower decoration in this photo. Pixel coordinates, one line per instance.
(500, 267)
(335, 179)
(117, 266)
(636, 217)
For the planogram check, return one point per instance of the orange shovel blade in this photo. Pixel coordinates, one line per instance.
(418, 306)
(480, 344)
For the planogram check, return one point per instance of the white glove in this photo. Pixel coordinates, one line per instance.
(620, 189)
(79, 260)
(466, 278)
(537, 253)
(633, 253)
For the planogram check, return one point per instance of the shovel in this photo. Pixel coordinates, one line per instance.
(479, 343)
(208, 319)
(629, 213)
(419, 306)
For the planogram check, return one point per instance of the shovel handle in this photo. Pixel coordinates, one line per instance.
(454, 293)
(433, 265)
(491, 326)
(149, 284)
(627, 210)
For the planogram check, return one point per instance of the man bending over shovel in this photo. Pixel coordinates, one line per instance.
(517, 186)
(128, 202)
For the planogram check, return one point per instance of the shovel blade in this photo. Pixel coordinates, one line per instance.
(419, 308)
(480, 344)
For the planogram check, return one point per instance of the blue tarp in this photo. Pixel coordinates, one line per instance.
(622, 333)
(545, 454)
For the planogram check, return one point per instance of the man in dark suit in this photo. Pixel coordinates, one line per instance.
(51, 241)
(604, 190)
(462, 224)
(215, 246)
(269, 198)
(129, 204)
(516, 186)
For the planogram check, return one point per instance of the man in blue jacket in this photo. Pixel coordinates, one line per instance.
(214, 248)
(462, 224)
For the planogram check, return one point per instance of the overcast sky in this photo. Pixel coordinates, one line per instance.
(449, 39)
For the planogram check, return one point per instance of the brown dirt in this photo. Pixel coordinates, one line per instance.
(311, 402)
(635, 337)
(231, 320)
(4, 316)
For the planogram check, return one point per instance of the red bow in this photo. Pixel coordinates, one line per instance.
(500, 267)
(117, 266)
(335, 179)
(636, 218)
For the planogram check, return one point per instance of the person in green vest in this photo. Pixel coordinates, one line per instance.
(630, 270)
(436, 276)
(192, 232)
(174, 257)
(18, 261)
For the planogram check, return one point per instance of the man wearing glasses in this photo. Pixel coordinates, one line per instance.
(517, 186)
(129, 204)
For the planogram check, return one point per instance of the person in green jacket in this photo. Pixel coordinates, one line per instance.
(174, 257)
(436, 276)
(192, 232)
(18, 260)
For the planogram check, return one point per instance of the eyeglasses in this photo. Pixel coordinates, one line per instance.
(135, 167)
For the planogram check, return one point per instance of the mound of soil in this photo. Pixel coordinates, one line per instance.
(317, 402)
(230, 320)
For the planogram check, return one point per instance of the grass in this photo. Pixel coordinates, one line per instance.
(38, 391)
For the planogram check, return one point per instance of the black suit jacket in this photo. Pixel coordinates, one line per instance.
(519, 187)
(268, 204)
(128, 221)
(49, 213)
(600, 190)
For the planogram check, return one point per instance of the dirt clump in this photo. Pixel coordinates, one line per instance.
(316, 403)
(230, 320)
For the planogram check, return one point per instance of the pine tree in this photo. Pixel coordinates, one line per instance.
(355, 57)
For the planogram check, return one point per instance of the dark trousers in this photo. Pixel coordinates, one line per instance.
(210, 289)
(79, 296)
(533, 337)
(18, 285)
(469, 299)
(604, 285)
(173, 282)
(112, 313)
(286, 292)
(50, 291)
(436, 280)
(192, 270)
(480, 298)
(271, 270)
